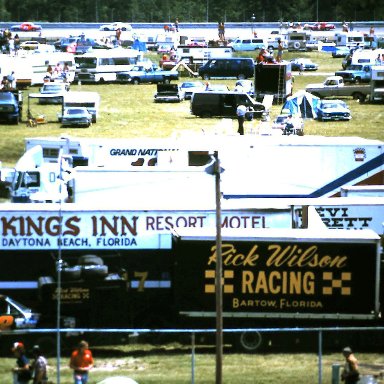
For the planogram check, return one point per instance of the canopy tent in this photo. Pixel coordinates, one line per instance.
(302, 103)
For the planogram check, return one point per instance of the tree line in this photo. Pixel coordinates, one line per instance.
(190, 10)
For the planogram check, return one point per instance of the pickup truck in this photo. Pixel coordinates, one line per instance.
(141, 74)
(11, 106)
(334, 86)
(356, 73)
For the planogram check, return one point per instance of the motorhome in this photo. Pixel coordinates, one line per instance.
(350, 39)
(102, 65)
(367, 56)
(377, 83)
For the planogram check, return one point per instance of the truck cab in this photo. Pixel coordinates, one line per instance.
(356, 73)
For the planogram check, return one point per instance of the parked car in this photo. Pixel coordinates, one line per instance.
(303, 64)
(169, 93)
(29, 45)
(322, 26)
(340, 51)
(189, 87)
(217, 87)
(53, 89)
(333, 110)
(115, 26)
(67, 44)
(26, 27)
(76, 116)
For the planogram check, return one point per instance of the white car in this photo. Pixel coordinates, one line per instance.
(51, 90)
(115, 26)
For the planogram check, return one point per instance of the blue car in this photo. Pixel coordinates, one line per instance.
(303, 65)
(331, 110)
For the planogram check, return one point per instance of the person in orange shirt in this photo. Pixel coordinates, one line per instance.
(81, 362)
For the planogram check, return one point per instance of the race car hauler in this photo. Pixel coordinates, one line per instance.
(254, 166)
(127, 269)
(273, 79)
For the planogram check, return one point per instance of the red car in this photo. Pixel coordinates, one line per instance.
(322, 27)
(26, 27)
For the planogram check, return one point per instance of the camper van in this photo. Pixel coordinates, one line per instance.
(366, 56)
(350, 39)
(297, 41)
(102, 65)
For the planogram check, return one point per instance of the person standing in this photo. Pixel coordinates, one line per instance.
(39, 366)
(350, 374)
(81, 362)
(177, 25)
(240, 112)
(21, 372)
(280, 49)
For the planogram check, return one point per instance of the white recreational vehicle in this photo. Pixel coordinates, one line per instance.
(31, 69)
(350, 39)
(102, 65)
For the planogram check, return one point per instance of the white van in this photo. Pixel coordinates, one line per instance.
(252, 44)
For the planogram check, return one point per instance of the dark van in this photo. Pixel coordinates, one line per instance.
(240, 68)
(223, 104)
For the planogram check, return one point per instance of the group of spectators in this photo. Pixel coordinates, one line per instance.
(9, 44)
(36, 369)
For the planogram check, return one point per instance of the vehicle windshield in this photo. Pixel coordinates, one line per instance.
(53, 88)
(333, 105)
(86, 62)
(355, 67)
(75, 111)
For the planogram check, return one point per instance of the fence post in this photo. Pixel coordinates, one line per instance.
(193, 358)
(335, 373)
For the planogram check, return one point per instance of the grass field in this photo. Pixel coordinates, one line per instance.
(172, 364)
(129, 111)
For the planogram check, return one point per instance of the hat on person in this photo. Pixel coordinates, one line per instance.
(347, 350)
(18, 346)
(36, 348)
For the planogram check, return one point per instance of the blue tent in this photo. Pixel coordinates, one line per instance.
(302, 103)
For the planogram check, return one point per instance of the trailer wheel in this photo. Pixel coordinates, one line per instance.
(296, 45)
(249, 341)
(136, 81)
(359, 96)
